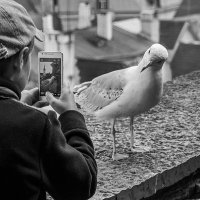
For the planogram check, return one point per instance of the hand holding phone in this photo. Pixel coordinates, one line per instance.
(50, 73)
(65, 102)
(31, 97)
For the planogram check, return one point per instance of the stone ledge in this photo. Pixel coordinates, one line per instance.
(176, 183)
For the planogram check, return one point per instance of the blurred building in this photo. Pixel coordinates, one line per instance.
(188, 9)
(96, 55)
(120, 31)
(104, 54)
(181, 35)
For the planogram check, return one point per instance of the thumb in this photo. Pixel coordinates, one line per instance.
(53, 118)
(34, 91)
(41, 104)
(50, 98)
(53, 102)
(66, 87)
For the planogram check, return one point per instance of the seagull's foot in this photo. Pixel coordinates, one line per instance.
(140, 149)
(118, 156)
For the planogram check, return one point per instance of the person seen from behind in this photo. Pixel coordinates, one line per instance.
(38, 152)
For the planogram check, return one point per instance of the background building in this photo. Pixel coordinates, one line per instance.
(113, 34)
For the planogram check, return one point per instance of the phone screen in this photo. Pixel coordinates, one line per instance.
(50, 76)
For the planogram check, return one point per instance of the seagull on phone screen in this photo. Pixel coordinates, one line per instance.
(47, 83)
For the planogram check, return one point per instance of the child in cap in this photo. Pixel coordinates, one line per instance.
(38, 152)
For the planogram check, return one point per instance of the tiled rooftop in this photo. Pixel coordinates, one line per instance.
(188, 7)
(169, 32)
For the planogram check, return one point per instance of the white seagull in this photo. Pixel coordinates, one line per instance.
(126, 92)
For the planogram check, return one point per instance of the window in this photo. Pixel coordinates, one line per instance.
(102, 4)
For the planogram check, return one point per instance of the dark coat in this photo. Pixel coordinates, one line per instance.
(38, 156)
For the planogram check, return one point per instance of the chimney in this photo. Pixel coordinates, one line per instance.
(150, 25)
(104, 25)
(84, 18)
(104, 20)
(145, 5)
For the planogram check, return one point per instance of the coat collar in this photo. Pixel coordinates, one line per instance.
(8, 89)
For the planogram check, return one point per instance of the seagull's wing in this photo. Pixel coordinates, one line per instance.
(101, 91)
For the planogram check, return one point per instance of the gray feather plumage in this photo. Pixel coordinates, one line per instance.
(98, 93)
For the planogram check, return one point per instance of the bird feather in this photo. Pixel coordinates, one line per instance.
(101, 91)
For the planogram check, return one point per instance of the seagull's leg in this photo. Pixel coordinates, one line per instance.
(115, 156)
(113, 136)
(132, 134)
(139, 148)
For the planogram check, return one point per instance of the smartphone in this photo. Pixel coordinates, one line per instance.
(50, 73)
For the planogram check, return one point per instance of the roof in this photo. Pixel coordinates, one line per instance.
(89, 69)
(186, 59)
(169, 32)
(124, 6)
(31, 5)
(34, 9)
(123, 45)
(188, 7)
(117, 6)
(36, 5)
(170, 3)
(124, 9)
(132, 25)
(194, 28)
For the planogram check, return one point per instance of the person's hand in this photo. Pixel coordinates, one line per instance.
(65, 102)
(31, 97)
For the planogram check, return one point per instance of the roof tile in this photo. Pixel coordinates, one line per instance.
(169, 32)
(186, 59)
(188, 7)
(123, 44)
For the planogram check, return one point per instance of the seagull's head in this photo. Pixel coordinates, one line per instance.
(154, 57)
(53, 78)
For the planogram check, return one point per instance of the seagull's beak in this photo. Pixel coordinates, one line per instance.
(145, 67)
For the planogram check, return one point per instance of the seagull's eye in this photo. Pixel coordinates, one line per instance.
(149, 51)
(159, 61)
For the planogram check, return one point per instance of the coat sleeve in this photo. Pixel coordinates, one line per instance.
(68, 166)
